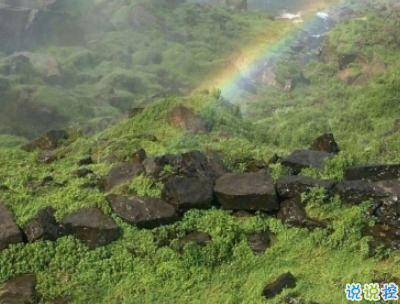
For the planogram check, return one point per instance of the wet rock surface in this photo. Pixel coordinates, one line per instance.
(9, 231)
(246, 191)
(143, 212)
(91, 227)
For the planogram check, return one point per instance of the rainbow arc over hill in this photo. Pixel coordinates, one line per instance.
(266, 47)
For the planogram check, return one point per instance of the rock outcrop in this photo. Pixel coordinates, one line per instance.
(9, 231)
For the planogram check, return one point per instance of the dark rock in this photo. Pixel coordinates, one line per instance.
(286, 280)
(9, 231)
(356, 192)
(154, 166)
(85, 161)
(200, 238)
(259, 242)
(88, 185)
(289, 186)
(251, 164)
(149, 137)
(182, 117)
(301, 159)
(91, 227)
(82, 172)
(292, 214)
(138, 156)
(188, 192)
(4, 188)
(19, 290)
(372, 172)
(385, 235)
(46, 181)
(273, 159)
(119, 174)
(43, 227)
(143, 212)
(49, 141)
(246, 191)
(326, 142)
(47, 157)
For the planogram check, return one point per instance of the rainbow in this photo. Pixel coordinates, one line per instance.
(265, 48)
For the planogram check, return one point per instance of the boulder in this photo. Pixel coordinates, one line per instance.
(46, 181)
(49, 141)
(43, 227)
(384, 235)
(188, 192)
(143, 212)
(200, 238)
(292, 214)
(19, 290)
(120, 173)
(301, 159)
(91, 227)
(259, 242)
(9, 231)
(289, 186)
(372, 172)
(326, 142)
(358, 191)
(246, 191)
(182, 117)
(286, 280)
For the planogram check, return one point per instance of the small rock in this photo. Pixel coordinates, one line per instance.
(47, 157)
(259, 242)
(91, 227)
(19, 290)
(9, 231)
(82, 172)
(286, 280)
(42, 227)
